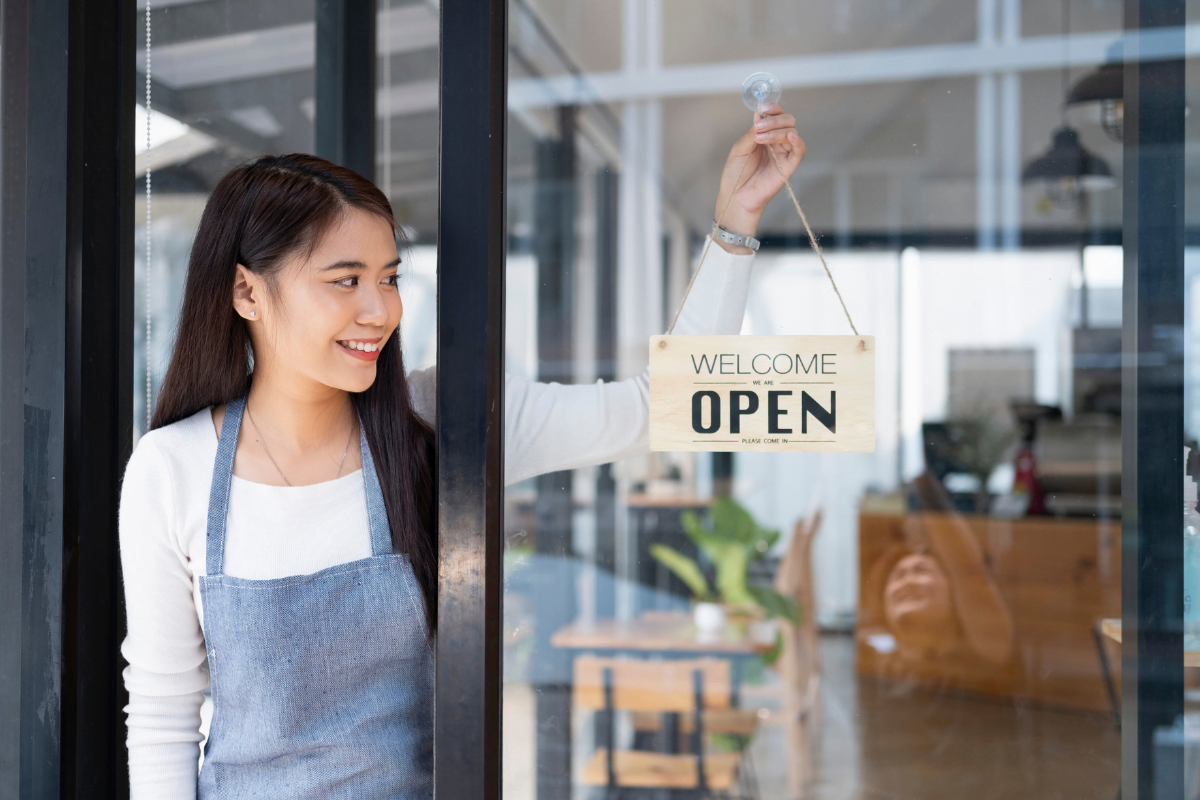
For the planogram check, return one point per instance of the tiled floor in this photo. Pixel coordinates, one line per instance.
(878, 743)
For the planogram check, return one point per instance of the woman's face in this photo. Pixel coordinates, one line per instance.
(331, 313)
(917, 593)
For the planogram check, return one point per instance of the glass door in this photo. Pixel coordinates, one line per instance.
(954, 599)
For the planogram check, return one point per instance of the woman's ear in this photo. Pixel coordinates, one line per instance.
(246, 288)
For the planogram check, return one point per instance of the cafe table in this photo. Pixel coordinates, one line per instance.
(1111, 628)
(663, 634)
(658, 634)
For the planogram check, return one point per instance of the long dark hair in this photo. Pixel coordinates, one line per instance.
(259, 215)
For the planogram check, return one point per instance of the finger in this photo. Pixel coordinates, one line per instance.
(775, 123)
(768, 110)
(773, 137)
(797, 148)
(790, 154)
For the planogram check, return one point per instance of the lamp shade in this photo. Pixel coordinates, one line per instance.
(1106, 83)
(1105, 86)
(1068, 162)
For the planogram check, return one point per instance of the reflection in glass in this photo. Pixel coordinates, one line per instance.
(954, 595)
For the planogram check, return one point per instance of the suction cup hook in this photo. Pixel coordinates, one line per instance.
(760, 89)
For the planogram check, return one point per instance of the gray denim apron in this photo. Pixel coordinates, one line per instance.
(322, 684)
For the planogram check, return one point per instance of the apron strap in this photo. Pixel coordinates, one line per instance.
(218, 495)
(381, 536)
(222, 480)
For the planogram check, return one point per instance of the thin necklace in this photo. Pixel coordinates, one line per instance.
(258, 437)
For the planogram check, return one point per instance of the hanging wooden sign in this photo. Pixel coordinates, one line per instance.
(772, 393)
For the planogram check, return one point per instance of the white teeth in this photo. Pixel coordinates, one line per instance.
(363, 346)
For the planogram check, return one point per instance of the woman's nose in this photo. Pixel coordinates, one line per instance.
(373, 309)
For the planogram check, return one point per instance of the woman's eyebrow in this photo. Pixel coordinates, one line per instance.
(350, 264)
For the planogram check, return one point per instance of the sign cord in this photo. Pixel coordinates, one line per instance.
(812, 240)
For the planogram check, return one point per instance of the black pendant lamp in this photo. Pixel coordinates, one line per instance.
(1105, 86)
(1068, 168)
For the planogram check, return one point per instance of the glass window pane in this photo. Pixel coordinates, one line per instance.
(232, 81)
(229, 81)
(958, 589)
(407, 165)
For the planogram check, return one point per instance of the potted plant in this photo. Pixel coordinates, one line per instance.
(730, 540)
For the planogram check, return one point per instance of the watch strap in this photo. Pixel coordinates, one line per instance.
(737, 239)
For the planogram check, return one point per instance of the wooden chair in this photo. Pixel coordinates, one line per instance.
(732, 721)
(693, 687)
(800, 662)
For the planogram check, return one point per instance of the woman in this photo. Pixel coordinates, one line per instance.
(277, 522)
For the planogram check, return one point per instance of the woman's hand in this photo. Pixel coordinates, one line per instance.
(760, 178)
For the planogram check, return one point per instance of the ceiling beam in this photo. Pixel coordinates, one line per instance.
(287, 48)
(889, 65)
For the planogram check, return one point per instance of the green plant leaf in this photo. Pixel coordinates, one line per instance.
(684, 568)
(766, 540)
(732, 523)
(696, 530)
(731, 539)
(776, 604)
(731, 560)
(772, 655)
(729, 742)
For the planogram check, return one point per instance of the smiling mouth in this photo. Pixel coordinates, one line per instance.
(363, 351)
(361, 347)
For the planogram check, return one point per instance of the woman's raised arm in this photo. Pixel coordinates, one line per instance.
(550, 426)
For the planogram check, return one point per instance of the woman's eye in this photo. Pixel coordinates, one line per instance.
(392, 280)
(347, 283)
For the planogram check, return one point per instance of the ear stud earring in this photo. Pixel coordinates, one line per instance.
(252, 314)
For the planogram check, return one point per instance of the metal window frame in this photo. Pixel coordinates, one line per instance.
(66, 358)
(345, 80)
(470, 399)
(1152, 401)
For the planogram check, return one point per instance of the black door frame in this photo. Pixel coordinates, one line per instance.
(344, 125)
(1152, 402)
(67, 92)
(470, 405)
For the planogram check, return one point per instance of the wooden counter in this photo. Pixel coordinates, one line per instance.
(1058, 577)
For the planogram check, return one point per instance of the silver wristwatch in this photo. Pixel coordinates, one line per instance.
(737, 239)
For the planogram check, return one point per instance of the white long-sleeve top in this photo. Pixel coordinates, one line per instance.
(278, 531)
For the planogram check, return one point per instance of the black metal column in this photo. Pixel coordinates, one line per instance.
(553, 595)
(470, 415)
(33, 168)
(606, 370)
(345, 84)
(14, 42)
(99, 390)
(722, 474)
(1152, 401)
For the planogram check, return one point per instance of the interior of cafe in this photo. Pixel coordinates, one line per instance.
(933, 619)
